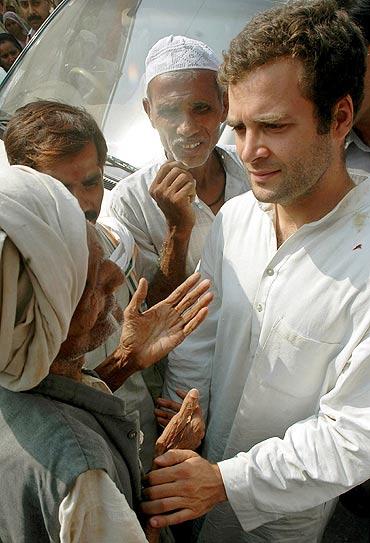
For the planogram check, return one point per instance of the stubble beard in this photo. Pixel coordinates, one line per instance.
(106, 325)
(300, 178)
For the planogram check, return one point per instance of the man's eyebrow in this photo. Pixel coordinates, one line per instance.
(233, 122)
(267, 118)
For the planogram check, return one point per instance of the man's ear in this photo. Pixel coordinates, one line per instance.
(146, 106)
(343, 117)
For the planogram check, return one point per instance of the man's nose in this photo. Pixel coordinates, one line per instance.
(187, 127)
(251, 146)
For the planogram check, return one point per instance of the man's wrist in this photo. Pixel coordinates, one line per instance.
(179, 232)
(117, 367)
(221, 492)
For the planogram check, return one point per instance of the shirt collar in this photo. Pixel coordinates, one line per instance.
(356, 140)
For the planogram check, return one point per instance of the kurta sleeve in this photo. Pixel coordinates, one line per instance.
(95, 511)
(318, 459)
(127, 209)
(190, 364)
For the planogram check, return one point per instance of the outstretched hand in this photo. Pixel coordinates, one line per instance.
(149, 336)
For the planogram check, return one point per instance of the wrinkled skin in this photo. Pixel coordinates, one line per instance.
(185, 430)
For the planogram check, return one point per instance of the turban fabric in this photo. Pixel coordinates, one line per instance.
(43, 268)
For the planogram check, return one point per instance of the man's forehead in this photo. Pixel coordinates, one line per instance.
(171, 85)
(269, 91)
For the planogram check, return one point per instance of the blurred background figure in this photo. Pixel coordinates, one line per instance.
(11, 5)
(16, 26)
(35, 12)
(9, 50)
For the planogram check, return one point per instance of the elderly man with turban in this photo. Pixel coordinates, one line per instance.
(169, 206)
(69, 450)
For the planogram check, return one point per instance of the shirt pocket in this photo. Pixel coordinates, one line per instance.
(294, 364)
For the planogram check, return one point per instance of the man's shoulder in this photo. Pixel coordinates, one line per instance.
(239, 210)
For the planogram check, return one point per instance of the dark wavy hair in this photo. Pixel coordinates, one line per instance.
(359, 11)
(329, 45)
(42, 132)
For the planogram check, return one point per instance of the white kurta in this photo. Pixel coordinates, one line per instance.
(132, 204)
(283, 366)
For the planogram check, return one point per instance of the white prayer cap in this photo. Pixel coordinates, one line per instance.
(174, 53)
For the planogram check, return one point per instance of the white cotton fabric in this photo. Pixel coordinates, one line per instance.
(282, 363)
(124, 252)
(43, 268)
(95, 511)
(174, 53)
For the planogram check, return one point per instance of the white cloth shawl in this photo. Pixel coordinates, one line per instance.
(43, 268)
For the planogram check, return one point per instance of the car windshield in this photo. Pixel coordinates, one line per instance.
(92, 54)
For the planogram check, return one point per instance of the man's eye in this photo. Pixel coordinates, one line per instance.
(275, 126)
(202, 108)
(239, 128)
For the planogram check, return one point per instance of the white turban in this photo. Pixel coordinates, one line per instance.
(174, 53)
(43, 268)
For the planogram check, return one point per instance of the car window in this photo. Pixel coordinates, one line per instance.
(92, 54)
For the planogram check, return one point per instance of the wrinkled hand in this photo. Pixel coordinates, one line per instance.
(147, 337)
(166, 409)
(186, 487)
(186, 429)
(174, 191)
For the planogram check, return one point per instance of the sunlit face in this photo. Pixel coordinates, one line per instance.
(34, 11)
(97, 314)
(187, 110)
(83, 177)
(276, 133)
(8, 54)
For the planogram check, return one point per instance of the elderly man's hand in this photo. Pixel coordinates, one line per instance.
(186, 487)
(147, 337)
(174, 190)
(186, 429)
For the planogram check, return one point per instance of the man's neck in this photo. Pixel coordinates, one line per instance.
(71, 369)
(206, 173)
(313, 206)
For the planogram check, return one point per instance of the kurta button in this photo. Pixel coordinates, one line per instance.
(270, 271)
(132, 434)
(259, 307)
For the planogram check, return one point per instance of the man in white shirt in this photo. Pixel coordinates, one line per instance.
(358, 141)
(170, 206)
(283, 360)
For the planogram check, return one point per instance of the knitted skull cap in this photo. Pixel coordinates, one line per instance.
(174, 53)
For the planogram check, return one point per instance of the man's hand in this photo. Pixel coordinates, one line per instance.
(185, 488)
(147, 337)
(186, 429)
(166, 409)
(174, 190)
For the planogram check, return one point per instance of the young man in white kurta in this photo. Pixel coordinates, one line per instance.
(291, 349)
(282, 361)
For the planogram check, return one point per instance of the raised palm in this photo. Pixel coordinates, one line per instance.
(151, 335)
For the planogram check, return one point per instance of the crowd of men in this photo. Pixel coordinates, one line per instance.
(273, 330)
(19, 20)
